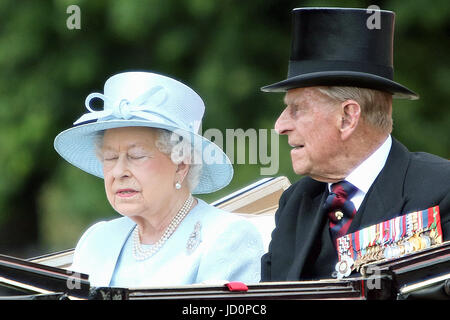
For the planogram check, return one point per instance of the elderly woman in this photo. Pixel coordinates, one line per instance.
(144, 143)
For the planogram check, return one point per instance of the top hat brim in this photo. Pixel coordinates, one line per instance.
(343, 78)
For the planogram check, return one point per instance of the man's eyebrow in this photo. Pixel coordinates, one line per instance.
(291, 101)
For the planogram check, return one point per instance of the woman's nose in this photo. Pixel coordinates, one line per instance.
(120, 168)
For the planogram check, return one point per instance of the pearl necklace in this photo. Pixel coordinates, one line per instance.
(140, 253)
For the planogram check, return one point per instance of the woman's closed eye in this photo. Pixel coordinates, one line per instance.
(132, 155)
(109, 157)
(137, 155)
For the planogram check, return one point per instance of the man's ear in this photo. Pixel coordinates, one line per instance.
(351, 113)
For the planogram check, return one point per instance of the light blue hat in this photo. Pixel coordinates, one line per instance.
(144, 99)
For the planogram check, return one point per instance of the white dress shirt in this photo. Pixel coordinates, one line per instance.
(365, 174)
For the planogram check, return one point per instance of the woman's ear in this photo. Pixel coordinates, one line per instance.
(182, 171)
(351, 113)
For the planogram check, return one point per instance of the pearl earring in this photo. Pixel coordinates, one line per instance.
(177, 186)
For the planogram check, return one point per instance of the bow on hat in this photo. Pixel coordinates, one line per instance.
(141, 107)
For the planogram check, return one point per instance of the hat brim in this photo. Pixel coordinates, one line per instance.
(343, 78)
(77, 146)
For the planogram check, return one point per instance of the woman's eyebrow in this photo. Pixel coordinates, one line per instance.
(131, 146)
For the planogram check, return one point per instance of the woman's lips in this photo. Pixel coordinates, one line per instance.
(126, 193)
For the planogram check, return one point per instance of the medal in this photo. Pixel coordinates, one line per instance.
(415, 242)
(344, 267)
(388, 240)
(408, 247)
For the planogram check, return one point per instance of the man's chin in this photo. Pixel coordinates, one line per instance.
(300, 170)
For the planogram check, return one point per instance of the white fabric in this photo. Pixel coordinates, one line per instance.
(365, 174)
(230, 249)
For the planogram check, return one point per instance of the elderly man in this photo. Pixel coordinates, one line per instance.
(338, 119)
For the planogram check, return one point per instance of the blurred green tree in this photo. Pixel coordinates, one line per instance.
(226, 50)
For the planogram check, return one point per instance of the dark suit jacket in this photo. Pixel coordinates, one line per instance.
(301, 248)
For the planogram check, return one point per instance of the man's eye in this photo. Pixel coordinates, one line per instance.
(294, 109)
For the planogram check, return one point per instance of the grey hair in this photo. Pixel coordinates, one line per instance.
(179, 149)
(376, 106)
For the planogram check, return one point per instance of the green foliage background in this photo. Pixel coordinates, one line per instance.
(224, 49)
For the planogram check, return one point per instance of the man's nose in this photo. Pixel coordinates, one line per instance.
(283, 124)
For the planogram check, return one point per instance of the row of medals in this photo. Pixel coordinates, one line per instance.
(416, 242)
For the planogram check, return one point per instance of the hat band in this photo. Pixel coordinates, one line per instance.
(124, 109)
(299, 67)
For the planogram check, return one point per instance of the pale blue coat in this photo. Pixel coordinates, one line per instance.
(228, 247)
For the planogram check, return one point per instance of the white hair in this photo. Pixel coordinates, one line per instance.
(179, 150)
(376, 106)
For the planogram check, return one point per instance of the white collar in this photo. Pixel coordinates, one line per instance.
(365, 174)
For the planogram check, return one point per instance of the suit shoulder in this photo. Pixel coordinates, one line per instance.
(305, 184)
(427, 175)
(100, 229)
(424, 158)
(215, 217)
(220, 225)
(429, 166)
(109, 225)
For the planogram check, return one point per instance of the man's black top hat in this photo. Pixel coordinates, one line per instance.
(342, 47)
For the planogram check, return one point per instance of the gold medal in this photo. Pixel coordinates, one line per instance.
(423, 244)
(369, 254)
(415, 243)
(433, 236)
(379, 253)
(402, 249)
(432, 232)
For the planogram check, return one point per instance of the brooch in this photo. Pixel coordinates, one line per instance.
(194, 239)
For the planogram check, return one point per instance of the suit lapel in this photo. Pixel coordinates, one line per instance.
(309, 225)
(385, 198)
(118, 235)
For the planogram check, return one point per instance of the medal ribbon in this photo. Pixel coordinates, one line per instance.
(390, 232)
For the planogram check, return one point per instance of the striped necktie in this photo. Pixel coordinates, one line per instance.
(340, 209)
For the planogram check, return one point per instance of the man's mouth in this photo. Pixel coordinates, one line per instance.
(296, 146)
